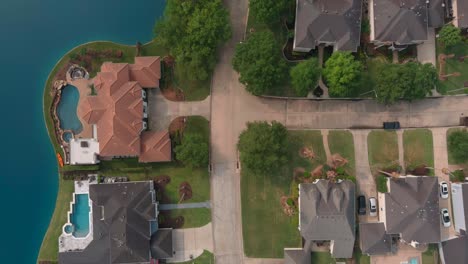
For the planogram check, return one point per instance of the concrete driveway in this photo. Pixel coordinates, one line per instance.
(162, 111)
(189, 243)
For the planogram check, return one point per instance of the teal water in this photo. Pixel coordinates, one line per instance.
(80, 215)
(34, 34)
(66, 109)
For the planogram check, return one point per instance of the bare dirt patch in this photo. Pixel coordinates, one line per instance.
(177, 125)
(185, 191)
(307, 153)
(337, 161)
(166, 221)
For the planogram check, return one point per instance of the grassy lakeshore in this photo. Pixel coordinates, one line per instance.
(199, 178)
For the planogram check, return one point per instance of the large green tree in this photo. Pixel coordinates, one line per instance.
(193, 151)
(342, 73)
(408, 81)
(268, 11)
(259, 63)
(263, 147)
(304, 76)
(192, 31)
(450, 35)
(458, 145)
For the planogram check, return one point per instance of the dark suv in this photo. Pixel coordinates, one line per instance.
(361, 201)
(391, 125)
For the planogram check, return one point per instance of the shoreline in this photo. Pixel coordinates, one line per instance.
(45, 114)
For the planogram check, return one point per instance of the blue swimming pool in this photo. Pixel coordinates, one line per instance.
(80, 215)
(66, 109)
(413, 261)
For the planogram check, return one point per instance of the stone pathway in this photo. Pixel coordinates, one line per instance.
(162, 111)
(401, 151)
(165, 207)
(189, 243)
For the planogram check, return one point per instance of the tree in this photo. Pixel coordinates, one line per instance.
(268, 11)
(192, 31)
(259, 63)
(450, 35)
(342, 73)
(408, 81)
(193, 151)
(458, 145)
(263, 147)
(304, 76)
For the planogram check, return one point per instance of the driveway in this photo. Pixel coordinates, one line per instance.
(163, 111)
(364, 178)
(427, 50)
(191, 242)
(439, 136)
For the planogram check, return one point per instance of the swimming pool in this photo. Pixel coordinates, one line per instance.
(66, 109)
(413, 261)
(80, 215)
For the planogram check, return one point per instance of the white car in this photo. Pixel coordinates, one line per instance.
(372, 206)
(444, 193)
(444, 213)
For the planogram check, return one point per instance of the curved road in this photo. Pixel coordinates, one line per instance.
(233, 107)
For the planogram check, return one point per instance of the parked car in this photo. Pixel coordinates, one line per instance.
(391, 125)
(361, 205)
(372, 206)
(444, 193)
(444, 213)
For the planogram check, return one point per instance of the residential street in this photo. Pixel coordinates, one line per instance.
(232, 107)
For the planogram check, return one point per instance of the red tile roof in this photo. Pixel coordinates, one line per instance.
(117, 109)
(155, 146)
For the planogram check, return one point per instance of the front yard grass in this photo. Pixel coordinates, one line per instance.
(322, 258)
(418, 148)
(341, 142)
(430, 256)
(383, 149)
(193, 217)
(454, 84)
(267, 230)
(451, 159)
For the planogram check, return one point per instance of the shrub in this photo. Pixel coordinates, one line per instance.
(307, 174)
(290, 202)
(382, 184)
(457, 176)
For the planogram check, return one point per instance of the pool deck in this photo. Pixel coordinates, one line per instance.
(67, 242)
(404, 254)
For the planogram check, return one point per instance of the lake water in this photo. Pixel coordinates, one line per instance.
(34, 34)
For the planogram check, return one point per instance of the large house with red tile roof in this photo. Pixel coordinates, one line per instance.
(119, 113)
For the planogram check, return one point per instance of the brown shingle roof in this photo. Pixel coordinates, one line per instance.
(117, 109)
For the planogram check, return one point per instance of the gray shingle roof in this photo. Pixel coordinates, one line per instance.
(374, 240)
(297, 256)
(327, 213)
(400, 21)
(436, 13)
(455, 251)
(328, 21)
(121, 224)
(412, 209)
(161, 244)
(462, 13)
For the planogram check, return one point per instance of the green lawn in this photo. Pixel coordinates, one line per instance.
(428, 255)
(451, 159)
(454, 84)
(49, 247)
(261, 207)
(193, 90)
(322, 258)
(341, 142)
(205, 258)
(383, 149)
(311, 139)
(193, 217)
(418, 148)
